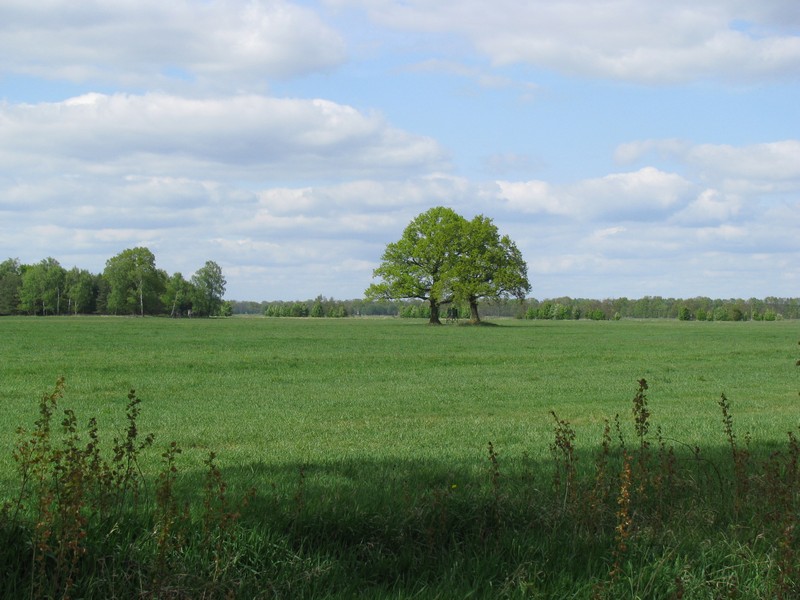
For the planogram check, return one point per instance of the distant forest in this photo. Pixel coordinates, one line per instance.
(565, 308)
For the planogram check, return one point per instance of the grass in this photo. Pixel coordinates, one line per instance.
(316, 390)
(368, 445)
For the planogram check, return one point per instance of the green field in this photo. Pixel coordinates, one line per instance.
(365, 413)
(321, 390)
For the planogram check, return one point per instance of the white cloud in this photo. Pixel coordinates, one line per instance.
(646, 41)
(225, 43)
(753, 169)
(710, 206)
(297, 242)
(773, 161)
(640, 195)
(608, 232)
(248, 136)
(532, 197)
(631, 152)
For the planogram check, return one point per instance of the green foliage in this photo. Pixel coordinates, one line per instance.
(130, 284)
(226, 310)
(80, 291)
(208, 289)
(10, 284)
(656, 307)
(441, 257)
(178, 295)
(42, 288)
(422, 263)
(489, 267)
(135, 284)
(70, 497)
(298, 309)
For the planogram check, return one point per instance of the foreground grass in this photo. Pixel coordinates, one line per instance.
(367, 444)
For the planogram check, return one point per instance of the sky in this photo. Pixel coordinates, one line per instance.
(628, 147)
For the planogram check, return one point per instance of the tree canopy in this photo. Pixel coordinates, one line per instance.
(441, 257)
(136, 284)
(490, 267)
(209, 285)
(130, 284)
(420, 263)
(42, 287)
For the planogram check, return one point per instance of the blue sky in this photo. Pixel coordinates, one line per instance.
(629, 147)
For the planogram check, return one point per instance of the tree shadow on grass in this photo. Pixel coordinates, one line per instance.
(499, 527)
(517, 524)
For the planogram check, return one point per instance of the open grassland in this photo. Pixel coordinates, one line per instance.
(309, 391)
(367, 442)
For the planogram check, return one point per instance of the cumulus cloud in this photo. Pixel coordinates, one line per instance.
(711, 206)
(243, 136)
(237, 130)
(223, 42)
(773, 161)
(640, 195)
(762, 173)
(646, 41)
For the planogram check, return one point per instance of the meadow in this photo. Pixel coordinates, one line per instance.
(387, 458)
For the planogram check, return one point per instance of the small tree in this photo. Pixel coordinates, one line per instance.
(42, 287)
(209, 285)
(10, 284)
(177, 295)
(80, 291)
(135, 283)
(317, 310)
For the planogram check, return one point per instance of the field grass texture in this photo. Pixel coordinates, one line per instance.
(393, 459)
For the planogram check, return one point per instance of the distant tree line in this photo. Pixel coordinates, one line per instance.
(319, 307)
(564, 308)
(130, 284)
(657, 307)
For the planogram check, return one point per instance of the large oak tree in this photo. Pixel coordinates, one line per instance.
(421, 263)
(441, 257)
(490, 267)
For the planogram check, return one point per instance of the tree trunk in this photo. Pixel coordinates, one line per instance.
(473, 312)
(434, 320)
